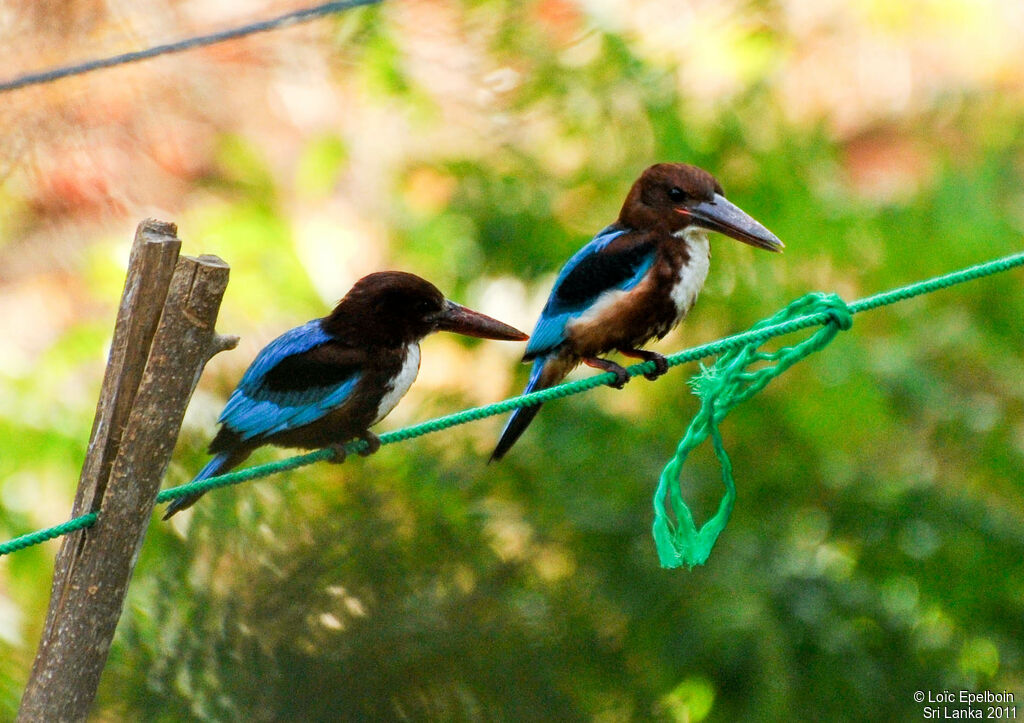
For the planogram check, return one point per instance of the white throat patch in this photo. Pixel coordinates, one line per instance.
(692, 274)
(403, 380)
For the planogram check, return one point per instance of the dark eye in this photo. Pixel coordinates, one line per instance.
(423, 306)
(676, 194)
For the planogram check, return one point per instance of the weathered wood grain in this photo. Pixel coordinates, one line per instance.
(134, 434)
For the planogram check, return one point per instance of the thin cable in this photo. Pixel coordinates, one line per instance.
(292, 18)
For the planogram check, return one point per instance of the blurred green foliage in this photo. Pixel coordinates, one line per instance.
(877, 544)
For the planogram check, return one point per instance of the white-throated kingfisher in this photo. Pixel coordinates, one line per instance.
(328, 381)
(633, 282)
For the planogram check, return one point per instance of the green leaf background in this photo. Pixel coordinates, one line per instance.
(877, 542)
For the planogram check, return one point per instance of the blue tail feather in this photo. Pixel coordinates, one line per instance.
(220, 464)
(521, 417)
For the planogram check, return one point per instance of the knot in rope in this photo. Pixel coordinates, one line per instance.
(839, 313)
(721, 387)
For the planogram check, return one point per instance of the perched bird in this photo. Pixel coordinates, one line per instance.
(328, 381)
(634, 281)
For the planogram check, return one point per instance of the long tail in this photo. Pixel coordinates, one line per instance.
(547, 371)
(220, 464)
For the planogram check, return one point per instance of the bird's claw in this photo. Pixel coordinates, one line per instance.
(339, 453)
(660, 367)
(660, 362)
(372, 443)
(621, 375)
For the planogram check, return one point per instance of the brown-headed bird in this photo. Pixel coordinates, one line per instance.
(633, 282)
(328, 381)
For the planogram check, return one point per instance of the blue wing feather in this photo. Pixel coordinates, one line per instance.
(550, 329)
(253, 410)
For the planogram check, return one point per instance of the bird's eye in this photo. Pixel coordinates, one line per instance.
(676, 194)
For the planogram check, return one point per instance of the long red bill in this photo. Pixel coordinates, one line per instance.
(461, 320)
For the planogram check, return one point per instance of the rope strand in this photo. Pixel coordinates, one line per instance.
(721, 387)
(35, 538)
(831, 315)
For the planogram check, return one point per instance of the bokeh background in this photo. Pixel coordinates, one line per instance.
(877, 545)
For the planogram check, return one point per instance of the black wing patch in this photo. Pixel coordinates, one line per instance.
(599, 272)
(322, 366)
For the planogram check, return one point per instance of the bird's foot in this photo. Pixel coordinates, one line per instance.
(340, 453)
(372, 443)
(660, 362)
(621, 375)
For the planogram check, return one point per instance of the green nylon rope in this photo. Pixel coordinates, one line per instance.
(34, 538)
(720, 388)
(677, 538)
(757, 335)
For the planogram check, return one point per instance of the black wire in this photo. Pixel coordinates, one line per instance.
(297, 16)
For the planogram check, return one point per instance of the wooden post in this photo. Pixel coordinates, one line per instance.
(163, 337)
